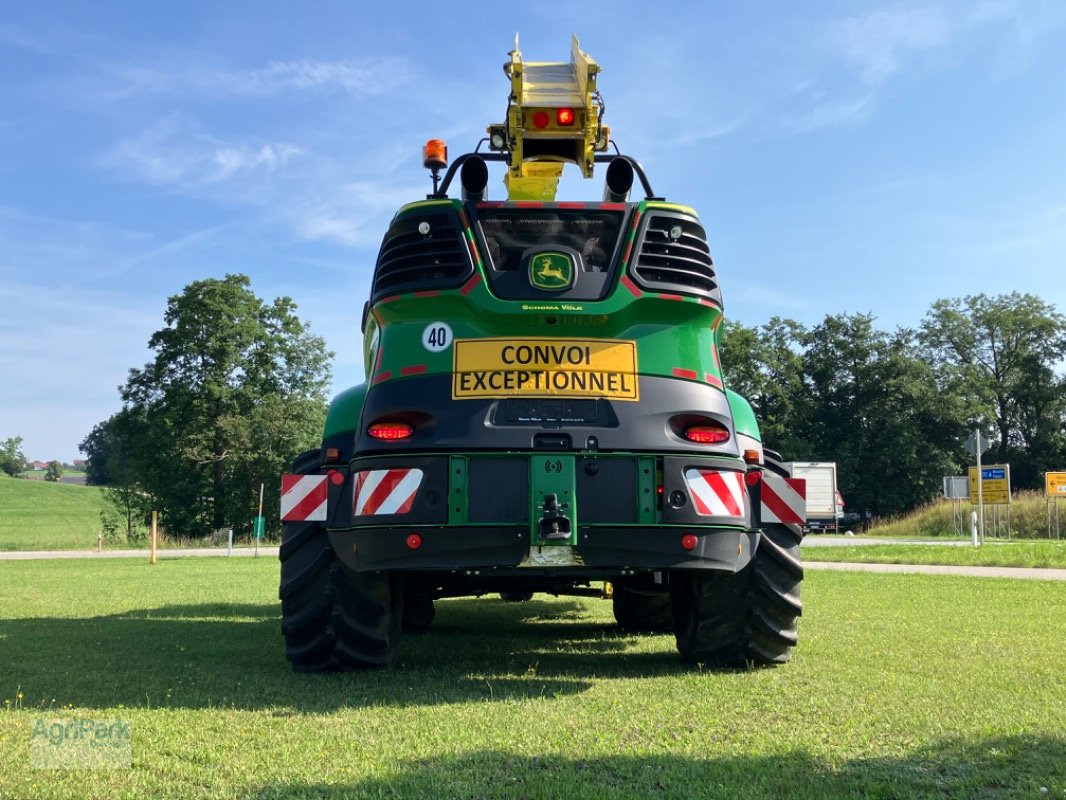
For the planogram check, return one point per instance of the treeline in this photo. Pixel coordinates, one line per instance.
(893, 408)
(237, 389)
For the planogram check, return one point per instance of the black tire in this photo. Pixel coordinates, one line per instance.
(418, 611)
(516, 597)
(747, 617)
(642, 612)
(332, 618)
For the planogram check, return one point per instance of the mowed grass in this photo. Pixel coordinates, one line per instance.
(990, 554)
(40, 515)
(902, 686)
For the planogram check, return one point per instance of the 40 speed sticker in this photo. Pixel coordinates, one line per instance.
(544, 368)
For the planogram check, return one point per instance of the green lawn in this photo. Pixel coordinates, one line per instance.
(902, 686)
(39, 515)
(990, 554)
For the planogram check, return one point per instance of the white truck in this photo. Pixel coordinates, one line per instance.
(823, 499)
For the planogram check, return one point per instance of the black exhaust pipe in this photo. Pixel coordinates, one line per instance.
(474, 177)
(619, 181)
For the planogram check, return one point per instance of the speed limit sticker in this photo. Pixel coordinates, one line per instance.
(437, 337)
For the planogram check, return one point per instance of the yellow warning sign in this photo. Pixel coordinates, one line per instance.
(544, 368)
(1055, 484)
(995, 488)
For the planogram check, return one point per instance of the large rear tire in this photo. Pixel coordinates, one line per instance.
(638, 611)
(333, 618)
(747, 617)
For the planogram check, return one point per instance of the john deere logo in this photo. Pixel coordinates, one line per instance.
(551, 271)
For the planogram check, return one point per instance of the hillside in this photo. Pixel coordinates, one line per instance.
(38, 515)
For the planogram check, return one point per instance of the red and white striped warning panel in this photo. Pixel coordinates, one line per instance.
(714, 493)
(385, 491)
(303, 498)
(783, 499)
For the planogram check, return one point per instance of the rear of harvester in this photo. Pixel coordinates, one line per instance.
(543, 412)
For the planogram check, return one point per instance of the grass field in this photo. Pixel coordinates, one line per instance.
(39, 515)
(902, 686)
(990, 554)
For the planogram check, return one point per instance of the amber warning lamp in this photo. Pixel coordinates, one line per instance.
(435, 158)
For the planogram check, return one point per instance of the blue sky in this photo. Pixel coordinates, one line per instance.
(844, 157)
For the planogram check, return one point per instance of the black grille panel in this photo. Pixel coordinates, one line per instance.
(672, 255)
(422, 252)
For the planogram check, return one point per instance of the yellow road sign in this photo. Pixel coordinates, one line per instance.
(1055, 484)
(995, 484)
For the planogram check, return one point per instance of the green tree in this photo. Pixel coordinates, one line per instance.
(54, 473)
(236, 389)
(999, 355)
(765, 365)
(12, 459)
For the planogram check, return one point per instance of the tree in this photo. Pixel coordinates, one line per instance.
(12, 460)
(765, 365)
(999, 354)
(54, 472)
(236, 389)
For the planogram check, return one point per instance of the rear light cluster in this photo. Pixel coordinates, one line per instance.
(699, 429)
(706, 434)
(389, 431)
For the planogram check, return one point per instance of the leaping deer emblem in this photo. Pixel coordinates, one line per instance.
(547, 271)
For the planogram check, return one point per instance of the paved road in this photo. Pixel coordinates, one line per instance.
(821, 540)
(930, 569)
(272, 552)
(170, 552)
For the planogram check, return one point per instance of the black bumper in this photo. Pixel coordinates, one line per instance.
(501, 550)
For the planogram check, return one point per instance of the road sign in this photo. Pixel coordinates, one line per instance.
(956, 487)
(995, 484)
(1055, 484)
(975, 440)
(259, 527)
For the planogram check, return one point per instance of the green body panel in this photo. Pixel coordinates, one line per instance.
(743, 415)
(676, 336)
(345, 411)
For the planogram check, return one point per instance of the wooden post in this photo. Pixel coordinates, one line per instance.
(155, 517)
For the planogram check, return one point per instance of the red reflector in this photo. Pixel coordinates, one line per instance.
(752, 478)
(540, 119)
(414, 541)
(706, 434)
(565, 116)
(336, 478)
(689, 542)
(390, 431)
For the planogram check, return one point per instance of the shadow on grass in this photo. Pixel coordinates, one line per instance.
(1006, 767)
(232, 656)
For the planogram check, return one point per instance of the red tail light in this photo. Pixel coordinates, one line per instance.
(389, 431)
(706, 434)
(564, 117)
(540, 119)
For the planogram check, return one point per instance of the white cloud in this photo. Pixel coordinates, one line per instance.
(192, 74)
(173, 151)
(878, 42)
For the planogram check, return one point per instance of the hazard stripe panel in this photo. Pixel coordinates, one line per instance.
(783, 500)
(385, 491)
(303, 498)
(714, 493)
